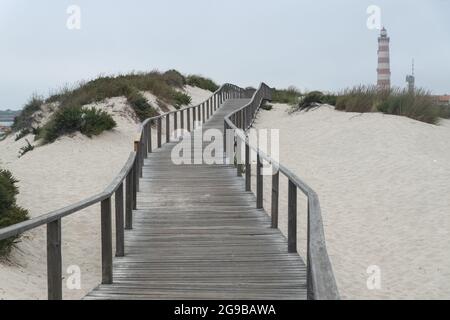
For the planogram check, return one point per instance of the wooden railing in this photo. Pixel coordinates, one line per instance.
(321, 284)
(130, 173)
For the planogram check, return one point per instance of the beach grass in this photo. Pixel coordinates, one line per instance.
(289, 96)
(418, 105)
(10, 212)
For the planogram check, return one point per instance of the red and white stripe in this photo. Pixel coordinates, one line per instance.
(384, 68)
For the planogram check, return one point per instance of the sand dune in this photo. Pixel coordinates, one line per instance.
(384, 185)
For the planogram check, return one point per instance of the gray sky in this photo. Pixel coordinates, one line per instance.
(312, 44)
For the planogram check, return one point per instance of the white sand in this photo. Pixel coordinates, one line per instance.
(384, 186)
(59, 174)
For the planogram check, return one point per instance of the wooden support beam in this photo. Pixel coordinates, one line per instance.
(275, 192)
(292, 217)
(120, 234)
(54, 260)
(106, 233)
(259, 183)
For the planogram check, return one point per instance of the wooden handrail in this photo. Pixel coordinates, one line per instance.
(321, 284)
(130, 173)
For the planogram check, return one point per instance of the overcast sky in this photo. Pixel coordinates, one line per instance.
(312, 44)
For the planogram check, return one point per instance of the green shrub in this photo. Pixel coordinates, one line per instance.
(64, 121)
(27, 148)
(10, 213)
(444, 112)
(174, 78)
(72, 119)
(314, 98)
(202, 82)
(96, 121)
(140, 105)
(22, 133)
(36, 131)
(266, 106)
(181, 99)
(288, 96)
(330, 99)
(24, 119)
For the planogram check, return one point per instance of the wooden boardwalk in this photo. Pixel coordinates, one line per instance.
(198, 235)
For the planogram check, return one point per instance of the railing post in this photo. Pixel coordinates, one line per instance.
(203, 112)
(141, 158)
(159, 132)
(168, 128)
(135, 183)
(54, 260)
(144, 142)
(137, 165)
(194, 117)
(129, 201)
(182, 119)
(248, 169)
(199, 116)
(309, 286)
(292, 217)
(275, 188)
(149, 137)
(120, 235)
(188, 122)
(225, 126)
(106, 231)
(175, 124)
(259, 183)
(207, 109)
(239, 156)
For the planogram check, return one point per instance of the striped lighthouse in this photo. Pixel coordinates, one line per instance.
(384, 69)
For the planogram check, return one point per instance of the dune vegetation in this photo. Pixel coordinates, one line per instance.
(291, 95)
(10, 212)
(418, 105)
(71, 115)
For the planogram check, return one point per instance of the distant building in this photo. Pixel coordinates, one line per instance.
(4, 129)
(411, 80)
(384, 66)
(443, 100)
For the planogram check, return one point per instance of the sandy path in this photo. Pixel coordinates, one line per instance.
(383, 182)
